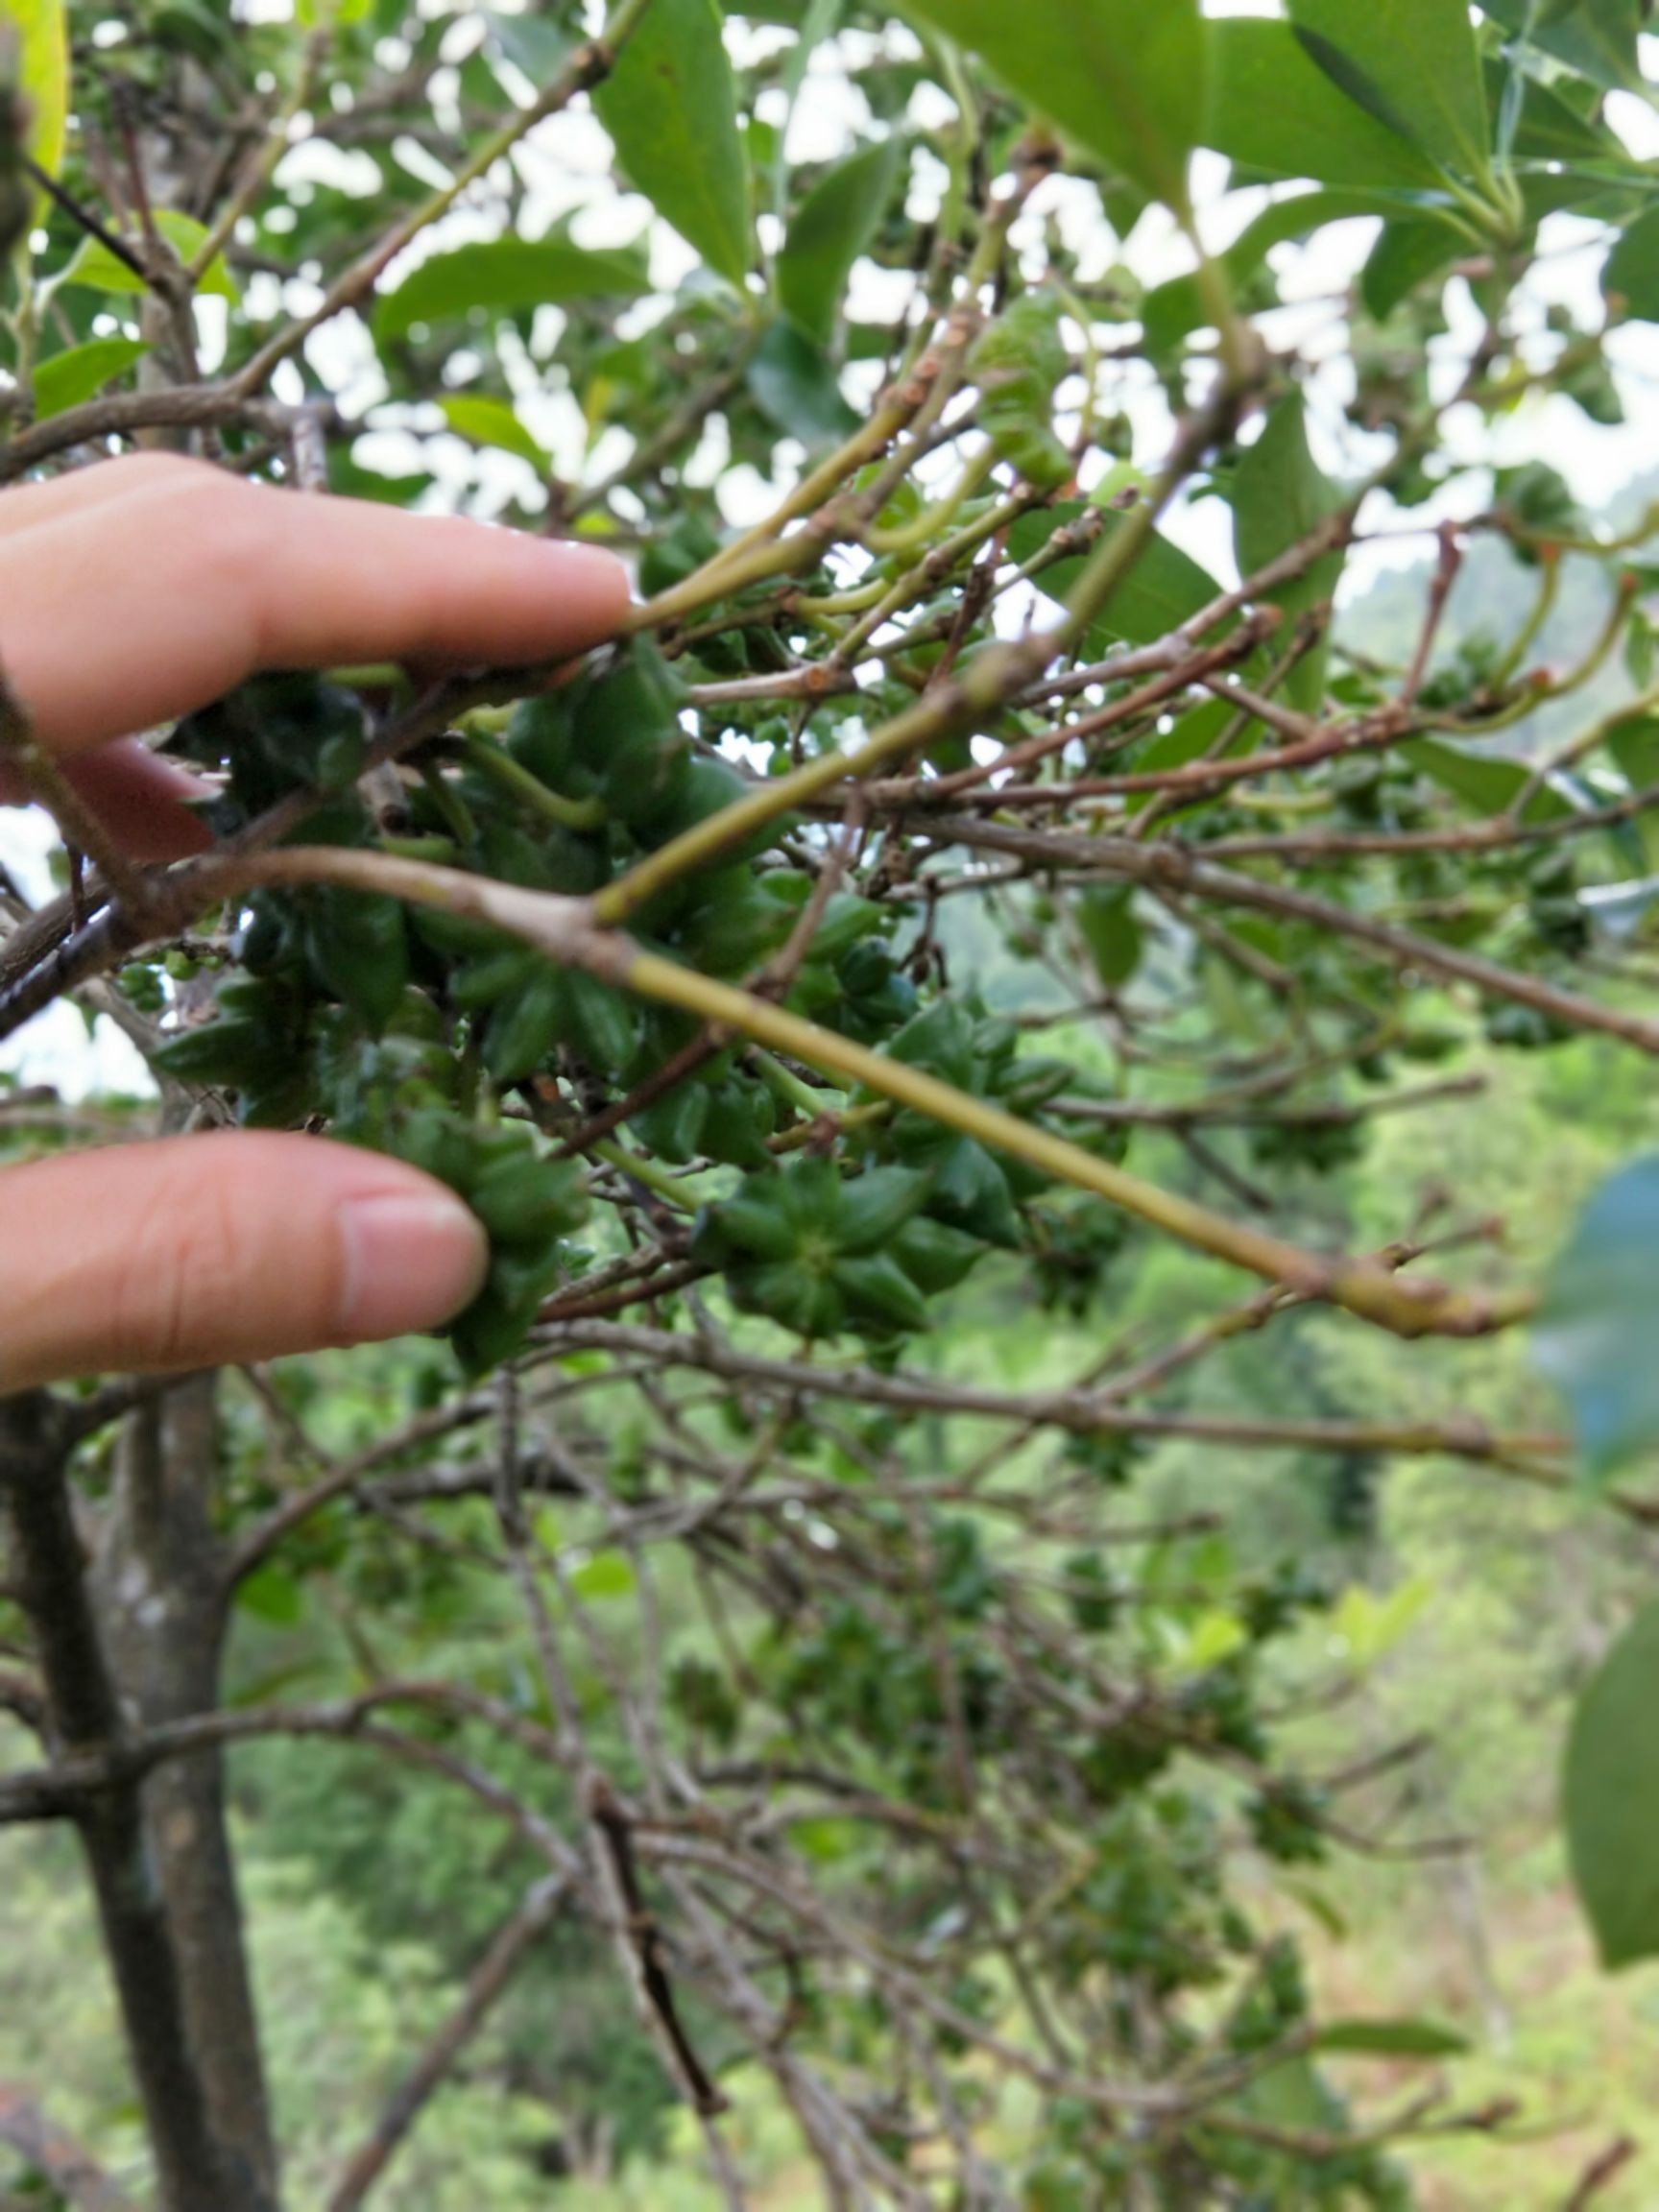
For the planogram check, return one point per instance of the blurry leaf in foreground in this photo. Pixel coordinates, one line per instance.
(34, 62)
(1597, 1332)
(1610, 1789)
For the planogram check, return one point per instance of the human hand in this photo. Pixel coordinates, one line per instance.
(135, 591)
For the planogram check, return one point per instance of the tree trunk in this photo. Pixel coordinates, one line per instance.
(161, 1591)
(195, 2171)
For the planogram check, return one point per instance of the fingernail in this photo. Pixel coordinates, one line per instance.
(411, 1262)
(587, 568)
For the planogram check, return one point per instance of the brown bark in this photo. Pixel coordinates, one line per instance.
(161, 1599)
(193, 2170)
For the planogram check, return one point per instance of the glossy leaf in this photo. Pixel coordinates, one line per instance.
(1610, 1793)
(793, 382)
(1277, 113)
(832, 227)
(1595, 1338)
(1413, 64)
(1126, 80)
(1280, 498)
(671, 107)
(98, 269)
(81, 372)
(485, 421)
(500, 274)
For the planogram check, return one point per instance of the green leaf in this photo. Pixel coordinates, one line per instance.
(272, 1594)
(1162, 589)
(1413, 64)
(1406, 254)
(607, 1575)
(504, 273)
(830, 228)
(81, 372)
(97, 268)
(1631, 277)
(1126, 80)
(875, 1208)
(670, 106)
(485, 421)
(1280, 496)
(1487, 784)
(1595, 1338)
(1546, 128)
(43, 78)
(1391, 2039)
(793, 383)
(1277, 113)
(1635, 749)
(1596, 39)
(359, 947)
(1610, 1792)
(1112, 932)
(877, 1290)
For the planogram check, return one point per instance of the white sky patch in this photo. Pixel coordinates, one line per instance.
(55, 1047)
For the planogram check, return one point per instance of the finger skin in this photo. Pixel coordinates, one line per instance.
(189, 1252)
(137, 796)
(142, 589)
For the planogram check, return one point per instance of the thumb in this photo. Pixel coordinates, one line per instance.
(187, 1252)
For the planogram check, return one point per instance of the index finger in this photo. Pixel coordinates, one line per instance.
(160, 583)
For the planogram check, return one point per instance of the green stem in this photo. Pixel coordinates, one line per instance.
(646, 1171)
(789, 1090)
(976, 691)
(914, 536)
(563, 929)
(513, 776)
(1361, 1286)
